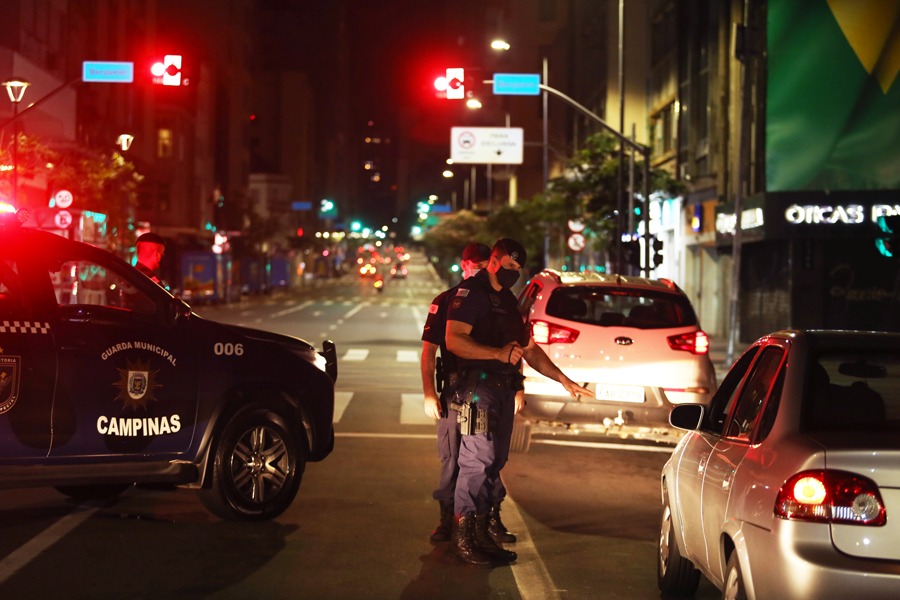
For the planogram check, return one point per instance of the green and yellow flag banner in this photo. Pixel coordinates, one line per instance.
(833, 95)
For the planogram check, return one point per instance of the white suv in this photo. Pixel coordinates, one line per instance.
(635, 342)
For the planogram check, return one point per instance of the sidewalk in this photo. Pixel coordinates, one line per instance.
(718, 353)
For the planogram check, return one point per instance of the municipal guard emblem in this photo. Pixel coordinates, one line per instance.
(10, 367)
(137, 384)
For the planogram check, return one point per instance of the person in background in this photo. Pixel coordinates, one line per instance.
(151, 248)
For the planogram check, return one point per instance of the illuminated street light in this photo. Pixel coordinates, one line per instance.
(15, 87)
(500, 45)
(473, 103)
(448, 174)
(124, 141)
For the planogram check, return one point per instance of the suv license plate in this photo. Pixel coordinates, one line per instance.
(619, 393)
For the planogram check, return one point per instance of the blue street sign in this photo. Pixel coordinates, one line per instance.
(440, 208)
(296, 205)
(517, 84)
(107, 72)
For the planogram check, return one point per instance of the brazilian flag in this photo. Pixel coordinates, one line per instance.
(833, 95)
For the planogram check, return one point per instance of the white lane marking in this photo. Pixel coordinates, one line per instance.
(388, 436)
(408, 356)
(529, 571)
(356, 354)
(293, 309)
(418, 315)
(412, 410)
(354, 310)
(341, 400)
(635, 447)
(38, 544)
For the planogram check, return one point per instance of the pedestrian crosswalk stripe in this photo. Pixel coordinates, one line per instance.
(412, 410)
(408, 356)
(356, 354)
(341, 400)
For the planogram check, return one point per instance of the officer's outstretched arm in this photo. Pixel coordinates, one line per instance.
(536, 357)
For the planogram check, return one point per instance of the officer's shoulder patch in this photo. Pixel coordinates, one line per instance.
(462, 292)
(433, 309)
(457, 302)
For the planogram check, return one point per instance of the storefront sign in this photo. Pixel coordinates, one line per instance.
(849, 214)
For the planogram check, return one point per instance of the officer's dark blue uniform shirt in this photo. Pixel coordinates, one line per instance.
(494, 317)
(436, 327)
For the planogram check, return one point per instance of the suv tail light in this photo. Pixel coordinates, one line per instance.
(695, 342)
(550, 333)
(831, 497)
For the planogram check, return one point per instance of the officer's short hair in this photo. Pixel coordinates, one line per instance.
(476, 253)
(153, 238)
(511, 248)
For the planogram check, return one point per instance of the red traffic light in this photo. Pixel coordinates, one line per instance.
(168, 71)
(451, 85)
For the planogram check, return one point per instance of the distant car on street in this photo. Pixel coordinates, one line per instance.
(787, 484)
(107, 380)
(636, 342)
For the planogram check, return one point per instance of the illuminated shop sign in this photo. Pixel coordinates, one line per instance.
(850, 214)
(750, 219)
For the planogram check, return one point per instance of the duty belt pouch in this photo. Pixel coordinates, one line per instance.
(472, 419)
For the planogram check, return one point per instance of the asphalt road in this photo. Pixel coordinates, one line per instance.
(585, 509)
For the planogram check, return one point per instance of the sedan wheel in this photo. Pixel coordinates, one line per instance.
(734, 580)
(676, 576)
(257, 470)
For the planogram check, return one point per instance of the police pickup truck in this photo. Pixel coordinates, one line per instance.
(107, 380)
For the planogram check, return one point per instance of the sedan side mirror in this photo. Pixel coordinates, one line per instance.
(178, 310)
(686, 416)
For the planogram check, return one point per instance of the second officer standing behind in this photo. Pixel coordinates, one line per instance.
(488, 335)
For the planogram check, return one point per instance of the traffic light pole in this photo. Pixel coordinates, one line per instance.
(645, 152)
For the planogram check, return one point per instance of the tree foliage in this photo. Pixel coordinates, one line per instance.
(99, 182)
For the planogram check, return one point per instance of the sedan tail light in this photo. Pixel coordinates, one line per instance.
(695, 342)
(551, 333)
(831, 497)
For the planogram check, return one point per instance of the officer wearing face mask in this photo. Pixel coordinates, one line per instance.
(487, 334)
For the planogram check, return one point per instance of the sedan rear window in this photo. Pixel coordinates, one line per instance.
(620, 307)
(853, 390)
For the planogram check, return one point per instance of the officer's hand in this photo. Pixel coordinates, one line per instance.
(432, 407)
(510, 353)
(575, 390)
(520, 401)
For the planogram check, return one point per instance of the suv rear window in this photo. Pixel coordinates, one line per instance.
(620, 308)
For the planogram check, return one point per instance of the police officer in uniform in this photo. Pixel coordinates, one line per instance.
(474, 258)
(487, 334)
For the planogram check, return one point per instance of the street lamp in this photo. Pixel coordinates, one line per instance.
(124, 141)
(15, 88)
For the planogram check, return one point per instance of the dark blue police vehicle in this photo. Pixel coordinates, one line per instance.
(107, 380)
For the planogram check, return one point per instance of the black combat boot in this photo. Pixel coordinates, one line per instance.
(462, 542)
(497, 529)
(486, 543)
(441, 533)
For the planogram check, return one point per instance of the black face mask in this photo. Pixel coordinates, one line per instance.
(507, 277)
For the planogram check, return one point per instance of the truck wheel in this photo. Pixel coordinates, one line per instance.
(257, 467)
(521, 435)
(675, 575)
(93, 492)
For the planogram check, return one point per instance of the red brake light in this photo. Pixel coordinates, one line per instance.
(831, 497)
(695, 342)
(550, 333)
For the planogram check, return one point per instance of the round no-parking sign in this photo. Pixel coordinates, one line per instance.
(576, 242)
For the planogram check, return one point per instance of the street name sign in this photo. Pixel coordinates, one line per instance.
(517, 84)
(94, 71)
(486, 145)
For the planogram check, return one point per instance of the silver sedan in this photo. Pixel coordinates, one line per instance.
(787, 485)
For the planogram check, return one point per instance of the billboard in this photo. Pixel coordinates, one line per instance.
(833, 97)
